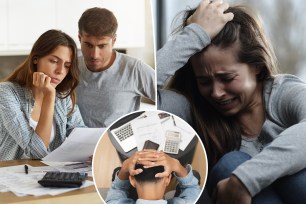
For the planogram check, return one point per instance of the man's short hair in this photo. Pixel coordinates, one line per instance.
(148, 174)
(98, 22)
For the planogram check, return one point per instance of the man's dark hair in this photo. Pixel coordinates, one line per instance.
(98, 22)
(148, 174)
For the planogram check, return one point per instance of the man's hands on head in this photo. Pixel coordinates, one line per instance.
(128, 166)
(162, 159)
(151, 158)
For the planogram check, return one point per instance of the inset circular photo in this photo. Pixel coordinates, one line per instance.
(150, 155)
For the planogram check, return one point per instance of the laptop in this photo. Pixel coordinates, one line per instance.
(125, 136)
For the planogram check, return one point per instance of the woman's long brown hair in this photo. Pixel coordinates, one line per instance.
(45, 44)
(222, 134)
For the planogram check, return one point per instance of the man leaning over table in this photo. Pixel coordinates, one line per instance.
(112, 83)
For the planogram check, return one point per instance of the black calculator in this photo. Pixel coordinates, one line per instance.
(63, 179)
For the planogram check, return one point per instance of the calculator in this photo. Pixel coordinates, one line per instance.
(172, 142)
(63, 179)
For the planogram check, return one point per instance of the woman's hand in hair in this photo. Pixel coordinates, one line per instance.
(211, 17)
(231, 190)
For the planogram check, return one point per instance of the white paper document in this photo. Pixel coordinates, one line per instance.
(79, 145)
(153, 126)
(148, 128)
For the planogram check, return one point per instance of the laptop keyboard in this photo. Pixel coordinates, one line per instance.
(124, 132)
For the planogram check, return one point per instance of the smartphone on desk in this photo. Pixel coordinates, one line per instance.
(150, 145)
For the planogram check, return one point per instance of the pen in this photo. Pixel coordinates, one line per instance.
(173, 121)
(26, 169)
(73, 164)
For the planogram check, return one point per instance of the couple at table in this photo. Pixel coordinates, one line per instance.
(38, 100)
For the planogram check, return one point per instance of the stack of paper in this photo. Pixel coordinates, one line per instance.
(153, 125)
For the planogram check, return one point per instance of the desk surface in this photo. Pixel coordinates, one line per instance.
(184, 156)
(84, 195)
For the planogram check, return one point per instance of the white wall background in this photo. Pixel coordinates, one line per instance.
(23, 21)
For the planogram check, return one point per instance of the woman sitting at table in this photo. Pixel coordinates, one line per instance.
(37, 101)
